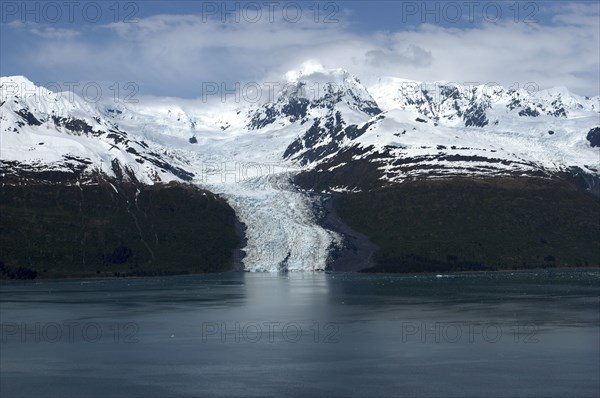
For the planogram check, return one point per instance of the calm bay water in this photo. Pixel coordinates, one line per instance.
(520, 334)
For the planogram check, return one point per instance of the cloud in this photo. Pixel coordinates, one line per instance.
(413, 56)
(45, 31)
(175, 54)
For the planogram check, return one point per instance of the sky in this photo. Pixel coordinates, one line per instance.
(177, 48)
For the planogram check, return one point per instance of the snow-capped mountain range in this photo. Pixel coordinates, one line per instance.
(322, 123)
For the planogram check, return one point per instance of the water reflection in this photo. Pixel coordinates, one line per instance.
(280, 296)
(304, 334)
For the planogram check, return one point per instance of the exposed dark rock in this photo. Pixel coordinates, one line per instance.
(593, 136)
(296, 108)
(74, 125)
(28, 117)
(475, 116)
(529, 112)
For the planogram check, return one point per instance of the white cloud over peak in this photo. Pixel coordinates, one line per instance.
(175, 54)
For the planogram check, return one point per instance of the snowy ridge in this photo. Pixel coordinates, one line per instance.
(479, 105)
(321, 121)
(407, 145)
(60, 131)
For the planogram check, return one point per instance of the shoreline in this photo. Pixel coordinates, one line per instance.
(238, 253)
(356, 251)
(332, 272)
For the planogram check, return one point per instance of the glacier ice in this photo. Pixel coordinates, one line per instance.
(282, 233)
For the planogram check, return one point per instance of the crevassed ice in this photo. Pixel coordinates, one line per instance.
(282, 232)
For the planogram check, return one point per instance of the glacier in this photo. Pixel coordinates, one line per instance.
(281, 229)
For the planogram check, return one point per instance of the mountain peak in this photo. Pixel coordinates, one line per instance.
(17, 85)
(314, 82)
(14, 79)
(307, 68)
(312, 72)
(313, 92)
(315, 71)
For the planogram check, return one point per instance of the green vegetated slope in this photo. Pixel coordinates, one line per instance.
(113, 230)
(460, 224)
